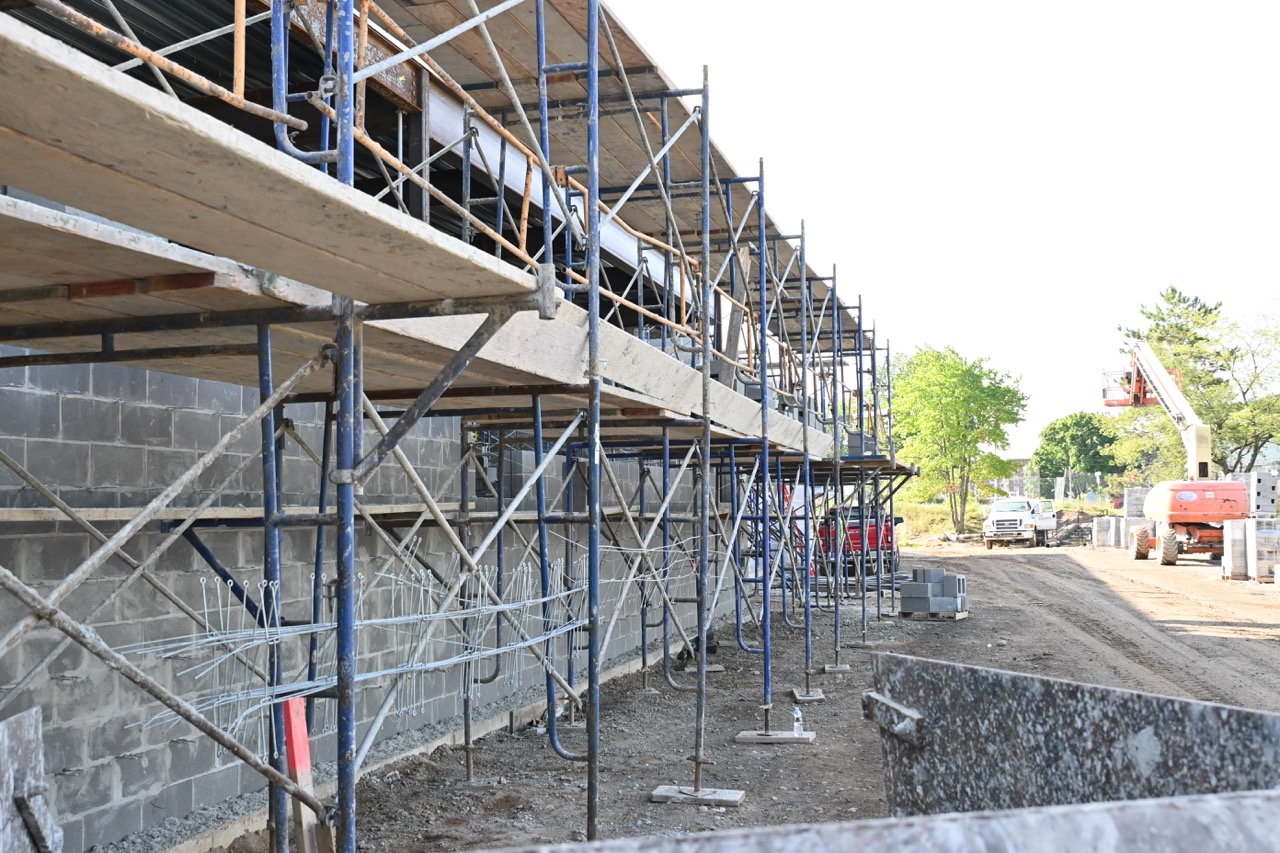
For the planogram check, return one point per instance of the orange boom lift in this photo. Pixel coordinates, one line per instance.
(1186, 515)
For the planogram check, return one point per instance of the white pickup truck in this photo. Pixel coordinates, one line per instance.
(1019, 520)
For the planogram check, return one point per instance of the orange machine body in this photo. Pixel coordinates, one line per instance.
(1197, 502)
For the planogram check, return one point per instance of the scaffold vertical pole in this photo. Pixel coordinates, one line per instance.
(766, 610)
(593, 426)
(838, 524)
(805, 365)
(278, 803)
(704, 517)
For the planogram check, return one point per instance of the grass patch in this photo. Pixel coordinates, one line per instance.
(929, 521)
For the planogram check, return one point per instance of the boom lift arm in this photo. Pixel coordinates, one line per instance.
(1149, 383)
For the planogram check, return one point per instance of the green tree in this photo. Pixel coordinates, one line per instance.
(950, 415)
(1148, 448)
(1080, 442)
(1227, 373)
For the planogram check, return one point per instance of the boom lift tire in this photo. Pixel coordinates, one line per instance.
(1169, 548)
(1139, 543)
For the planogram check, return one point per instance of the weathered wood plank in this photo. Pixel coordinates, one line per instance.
(99, 140)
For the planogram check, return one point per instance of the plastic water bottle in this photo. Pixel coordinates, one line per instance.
(798, 728)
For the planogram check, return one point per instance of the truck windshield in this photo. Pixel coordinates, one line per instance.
(1010, 506)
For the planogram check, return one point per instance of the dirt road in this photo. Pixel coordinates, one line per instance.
(1080, 614)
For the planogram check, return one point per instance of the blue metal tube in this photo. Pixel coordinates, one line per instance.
(784, 543)
(593, 427)
(704, 533)
(806, 304)
(348, 421)
(466, 173)
(317, 574)
(501, 191)
(280, 83)
(737, 559)
(667, 260)
(346, 93)
(875, 478)
(640, 583)
(499, 559)
(864, 554)
(349, 424)
(544, 133)
(544, 565)
(221, 571)
(326, 128)
(766, 613)
(837, 525)
(278, 799)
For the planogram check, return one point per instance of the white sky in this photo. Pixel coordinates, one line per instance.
(1009, 178)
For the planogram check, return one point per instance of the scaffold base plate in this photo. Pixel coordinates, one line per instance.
(714, 668)
(807, 698)
(775, 737)
(860, 644)
(705, 797)
(836, 667)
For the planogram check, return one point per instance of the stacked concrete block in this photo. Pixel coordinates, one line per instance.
(1235, 553)
(1266, 550)
(932, 590)
(1262, 487)
(1101, 530)
(1133, 499)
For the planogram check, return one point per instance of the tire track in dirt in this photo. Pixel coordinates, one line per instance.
(1141, 650)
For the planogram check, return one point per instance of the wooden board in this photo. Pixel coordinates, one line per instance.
(74, 131)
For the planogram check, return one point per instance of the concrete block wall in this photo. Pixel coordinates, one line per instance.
(1133, 498)
(109, 436)
(1262, 487)
(1235, 541)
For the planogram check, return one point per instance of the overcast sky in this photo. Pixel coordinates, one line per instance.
(1012, 179)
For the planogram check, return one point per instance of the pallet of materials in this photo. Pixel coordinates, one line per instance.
(935, 594)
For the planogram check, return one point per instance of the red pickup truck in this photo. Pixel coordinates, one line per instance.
(880, 535)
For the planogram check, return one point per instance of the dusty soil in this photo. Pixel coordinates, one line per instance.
(1075, 613)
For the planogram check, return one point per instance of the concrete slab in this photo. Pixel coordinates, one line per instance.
(775, 737)
(807, 698)
(705, 797)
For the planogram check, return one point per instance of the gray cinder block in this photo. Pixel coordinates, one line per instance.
(929, 575)
(1235, 560)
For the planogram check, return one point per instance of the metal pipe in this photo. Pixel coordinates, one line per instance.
(192, 42)
(317, 572)
(593, 425)
(348, 421)
(766, 640)
(280, 89)
(237, 61)
(704, 540)
(94, 644)
(237, 589)
(435, 388)
(204, 86)
(806, 300)
(544, 573)
(271, 469)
